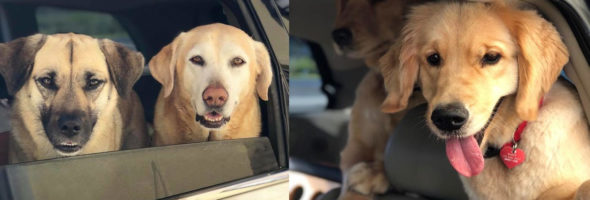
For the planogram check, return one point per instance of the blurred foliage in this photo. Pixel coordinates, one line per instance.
(100, 25)
(301, 63)
(303, 67)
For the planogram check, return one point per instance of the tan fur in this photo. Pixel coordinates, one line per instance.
(556, 140)
(374, 27)
(361, 160)
(174, 120)
(119, 122)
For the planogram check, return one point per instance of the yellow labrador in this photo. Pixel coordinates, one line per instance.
(72, 96)
(211, 79)
(484, 68)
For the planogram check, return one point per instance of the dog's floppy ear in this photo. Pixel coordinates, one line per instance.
(16, 60)
(542, 56)
(263, 70)
(162, 65)
(399, 65)
(125, 65)
(399, 68)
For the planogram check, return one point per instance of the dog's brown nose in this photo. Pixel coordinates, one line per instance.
(215, 95)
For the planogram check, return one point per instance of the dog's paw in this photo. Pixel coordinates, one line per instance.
(365, 179)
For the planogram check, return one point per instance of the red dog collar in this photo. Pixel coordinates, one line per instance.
(510, 154)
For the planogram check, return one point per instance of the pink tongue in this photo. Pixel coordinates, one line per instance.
(465, 156)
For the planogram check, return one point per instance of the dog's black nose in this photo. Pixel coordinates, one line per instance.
(450, 117)
(70, 125)
(342, 36)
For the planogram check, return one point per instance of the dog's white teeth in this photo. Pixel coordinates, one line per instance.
(69, 144)
(213, 119)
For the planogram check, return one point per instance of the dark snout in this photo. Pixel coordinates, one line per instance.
(68, 130)
(342, 36)
(449, 117)
(71, 124)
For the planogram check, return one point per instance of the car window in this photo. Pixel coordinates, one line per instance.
(164, 169)
(53, 20)
(304, 80)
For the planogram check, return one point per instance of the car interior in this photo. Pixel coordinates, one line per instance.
(147, 26)
(415, 162)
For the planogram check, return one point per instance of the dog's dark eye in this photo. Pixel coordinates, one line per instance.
(47, 82)
(433, 59)
(198, 60)
(237, 61)
(92, 84)
(491, 58)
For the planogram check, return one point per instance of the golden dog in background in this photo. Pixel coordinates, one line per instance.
(72, 95)
(366, 29)
(481, 84)
(211, 79)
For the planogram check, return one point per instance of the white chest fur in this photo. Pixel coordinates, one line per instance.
(557, 148)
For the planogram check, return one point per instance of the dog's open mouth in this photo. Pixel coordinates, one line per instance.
(464, 153)
(212, 119)
(68, 147)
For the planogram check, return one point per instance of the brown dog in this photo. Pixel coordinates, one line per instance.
(484, 69)
(72, 96)
(212, 77)
(366, 29)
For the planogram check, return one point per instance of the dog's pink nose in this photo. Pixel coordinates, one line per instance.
(215, 95)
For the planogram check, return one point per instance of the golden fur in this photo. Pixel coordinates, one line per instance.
(177, 103)
(374, 27)
(556, 140)
(71, 60)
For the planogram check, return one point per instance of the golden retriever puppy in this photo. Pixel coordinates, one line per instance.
(211, 79)
(72, 95)
(485, 69)
(365, 29)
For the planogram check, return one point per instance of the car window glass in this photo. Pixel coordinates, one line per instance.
(304, 80)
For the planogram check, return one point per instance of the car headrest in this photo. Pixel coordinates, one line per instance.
(416, 162)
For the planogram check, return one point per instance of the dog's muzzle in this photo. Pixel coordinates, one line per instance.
(212, 119)
(215, 97)
(449, 118)
(342, 37)
(68, 132)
